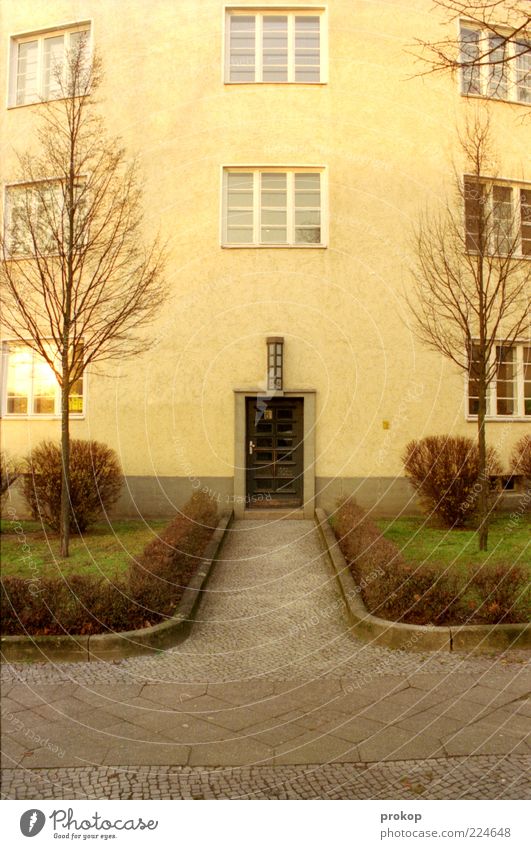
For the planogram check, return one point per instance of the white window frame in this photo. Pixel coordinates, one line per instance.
(39, 36)
(259, 11)
(5, 343)
(517, 188)
(257, 170)
(520, 415)
(483, 68)
(7, 206)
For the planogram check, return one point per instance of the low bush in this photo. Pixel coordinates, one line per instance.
(428, 594)
(521, 457)
(10, 471)
(90, 604)
(444, 470)
(95, 482)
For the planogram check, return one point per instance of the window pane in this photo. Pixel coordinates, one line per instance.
(274, 217)
(240, 218)
(240, 207)
(273, 208)
(307, 236)
(77, 37)
(506, 381)
(307, 208)
(44, 387)
(53, 66)
(75, 399)
(239, 236)
(307, 75)
(242, 48)
(307, 49)
(275, 48)
(470, 80)
(473, 384)
(525, 213)
(27, 72)
(527, 381)
(19, 368)
(19, 214)
(474, 200)
(523, 72)
(274, 235)
(502, 218)
(497, 84)
(307, 217)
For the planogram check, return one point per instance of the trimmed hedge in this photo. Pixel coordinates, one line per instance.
(89, 604)
(444, 470)
(428, 594)
(521, 457)
(95, 482)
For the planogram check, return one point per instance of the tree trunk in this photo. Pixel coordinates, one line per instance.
(483, 499)
(65, 472)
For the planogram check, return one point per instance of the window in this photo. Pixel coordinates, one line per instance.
(273, 206)
(274, 47)
(36, 59)
(30, 386)
(36, 220)
(509, 393)
(496, 67)
(275, 362)
(500, 215)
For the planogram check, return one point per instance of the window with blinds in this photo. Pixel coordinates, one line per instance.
(497, 218)
(275, 47)
(276, 207)
(508, 394)
(493, 64)
(37, 63)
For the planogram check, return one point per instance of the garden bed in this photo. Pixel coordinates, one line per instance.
(104, 549)
(142, 595)
(435, 577)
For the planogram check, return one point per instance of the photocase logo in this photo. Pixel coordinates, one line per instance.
(31, 822)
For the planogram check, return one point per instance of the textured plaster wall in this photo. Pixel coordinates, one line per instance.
(387, 141)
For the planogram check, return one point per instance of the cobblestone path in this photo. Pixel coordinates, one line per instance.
(270, 680)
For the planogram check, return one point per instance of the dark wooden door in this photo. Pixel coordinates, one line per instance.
(274, 451)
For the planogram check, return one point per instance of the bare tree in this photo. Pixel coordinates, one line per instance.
(78, 281)
(472, 281)
(506, 29)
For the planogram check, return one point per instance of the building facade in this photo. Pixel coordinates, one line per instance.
(286, 151)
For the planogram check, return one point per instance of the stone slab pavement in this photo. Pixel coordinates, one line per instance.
(271, 694)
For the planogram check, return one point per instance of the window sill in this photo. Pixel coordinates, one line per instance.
(500, 256)
(527, 419)
(38, 102)
(495, 99)
(21, 417)
(286, 82)
(275, 247)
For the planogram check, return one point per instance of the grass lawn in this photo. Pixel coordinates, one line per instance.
(420, 542)
(102, 550)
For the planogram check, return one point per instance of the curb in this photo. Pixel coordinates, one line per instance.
(116, 646)
(396, 635)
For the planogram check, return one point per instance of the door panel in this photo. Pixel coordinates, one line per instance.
(274, 451)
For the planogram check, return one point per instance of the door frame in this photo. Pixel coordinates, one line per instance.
(240, 442)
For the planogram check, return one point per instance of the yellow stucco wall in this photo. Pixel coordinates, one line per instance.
(387, 141)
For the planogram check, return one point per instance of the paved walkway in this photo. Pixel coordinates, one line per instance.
(270, 679)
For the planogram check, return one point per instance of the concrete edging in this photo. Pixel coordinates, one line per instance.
(396, 635)
(122, 644)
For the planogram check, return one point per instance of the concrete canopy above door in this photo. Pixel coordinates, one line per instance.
(308, 396)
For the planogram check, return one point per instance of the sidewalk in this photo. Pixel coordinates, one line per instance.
(270, 679)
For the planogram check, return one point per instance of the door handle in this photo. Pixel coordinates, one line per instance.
(251, 446)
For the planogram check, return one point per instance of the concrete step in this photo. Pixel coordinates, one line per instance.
(272, 514)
